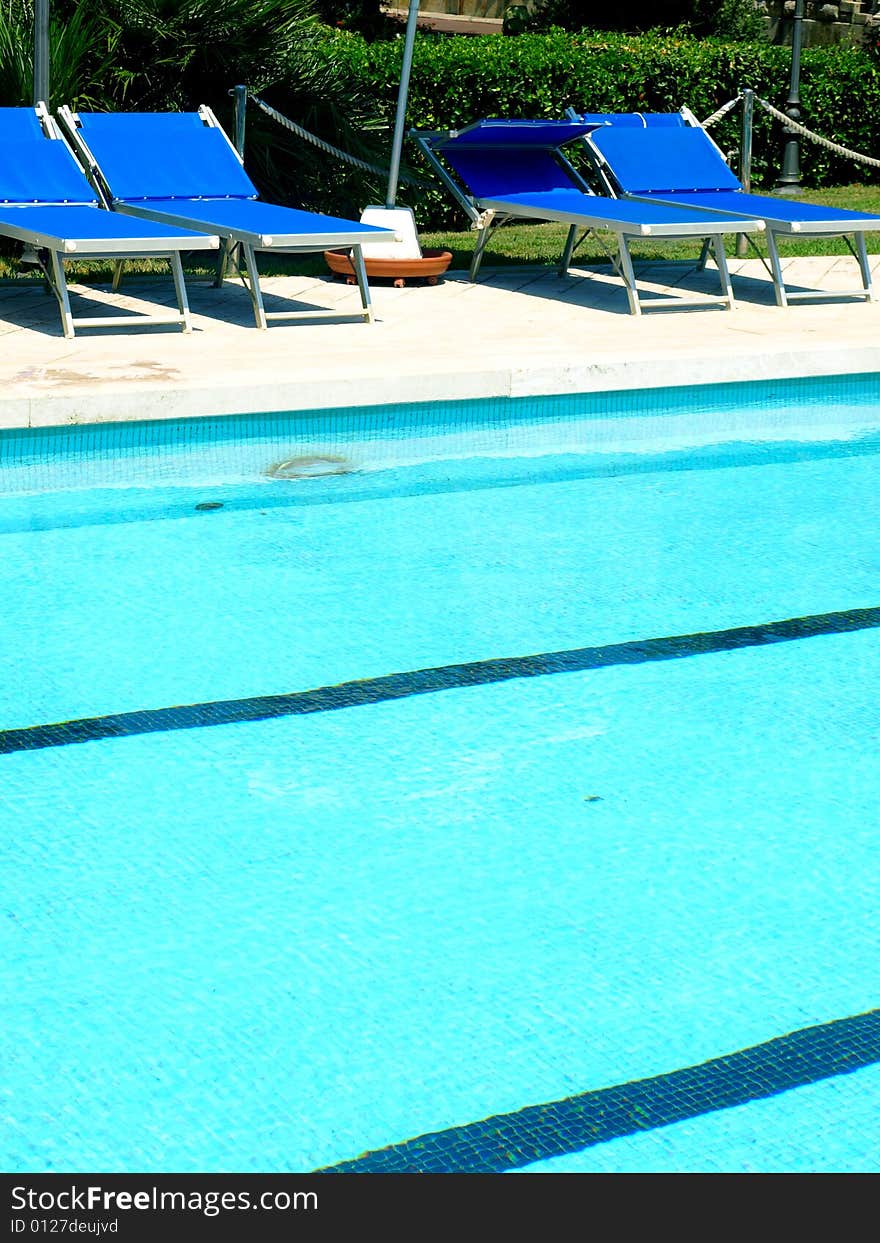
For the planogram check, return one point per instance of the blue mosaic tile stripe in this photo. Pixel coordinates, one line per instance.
(430, 681)
(538, 1132)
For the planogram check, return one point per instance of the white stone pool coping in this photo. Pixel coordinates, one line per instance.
(520, 331)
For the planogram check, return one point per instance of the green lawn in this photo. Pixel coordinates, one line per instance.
(543, 243)
(524, 244)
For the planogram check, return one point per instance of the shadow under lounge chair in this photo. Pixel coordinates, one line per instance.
(47, 204)
(515, 169)
(181, 168)
(679, 164)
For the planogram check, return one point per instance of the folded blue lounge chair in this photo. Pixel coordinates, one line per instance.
(516, 169)
(641, 120)
(47, 204)
(678, 163)
(180, 168)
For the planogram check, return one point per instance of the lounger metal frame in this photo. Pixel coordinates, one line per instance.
(50, 251)
(246, 240)
(854, 238)
(487, 214)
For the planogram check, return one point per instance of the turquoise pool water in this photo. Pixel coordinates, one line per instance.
(527, 772)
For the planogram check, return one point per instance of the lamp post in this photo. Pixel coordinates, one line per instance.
(790, 177)
(41, 52)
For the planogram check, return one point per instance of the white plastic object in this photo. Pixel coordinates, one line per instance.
(405, 244)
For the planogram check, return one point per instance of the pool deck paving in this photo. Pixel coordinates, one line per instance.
(519, 331)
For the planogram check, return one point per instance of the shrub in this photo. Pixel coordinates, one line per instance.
(733, 20)
(457, 80)
(82, 48)
(726, 19)
(364, 17)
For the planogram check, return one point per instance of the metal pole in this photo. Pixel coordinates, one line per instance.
(790, 177)
(745, 159)
(41, 52)
(400, 120)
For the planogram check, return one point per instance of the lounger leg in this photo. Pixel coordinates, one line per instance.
(223, 256)
(567, 253)
(59, 288)
(776, 269)
(45, 271)
(482, 239)
(357, 259)
(723, 270)
(628, 276)
(180, 286)
(253, 285)
(220, 268)
(864, 266)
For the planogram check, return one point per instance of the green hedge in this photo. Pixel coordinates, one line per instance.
(458, 79)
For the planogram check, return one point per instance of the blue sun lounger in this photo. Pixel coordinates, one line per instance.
(679, 164)
(47, 204)
(515, 169)
(180, 168)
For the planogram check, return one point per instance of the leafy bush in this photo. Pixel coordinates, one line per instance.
(457, 80)
(364, 17)
(731, 19)
(726, 19)
(174, 53)
(82, 47)
(635, 16)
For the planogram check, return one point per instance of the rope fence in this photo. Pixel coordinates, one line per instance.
(796, 126)
(420, 182)
(320, 143)
(817, 138)
(722, 111)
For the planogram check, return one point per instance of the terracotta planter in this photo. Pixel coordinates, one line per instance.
(428, 268)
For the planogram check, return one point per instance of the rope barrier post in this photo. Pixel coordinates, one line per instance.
(239, 94)
(745, 166)
(790, 177)
(229, 259)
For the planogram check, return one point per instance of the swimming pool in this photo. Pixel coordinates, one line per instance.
(507, 801)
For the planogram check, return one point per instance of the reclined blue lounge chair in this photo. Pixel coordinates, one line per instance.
(47, 204)
(516, 169)
(678, 163)
(180, 168)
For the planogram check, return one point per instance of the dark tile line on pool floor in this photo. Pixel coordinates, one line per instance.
(557, 1128)
(429, 681)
